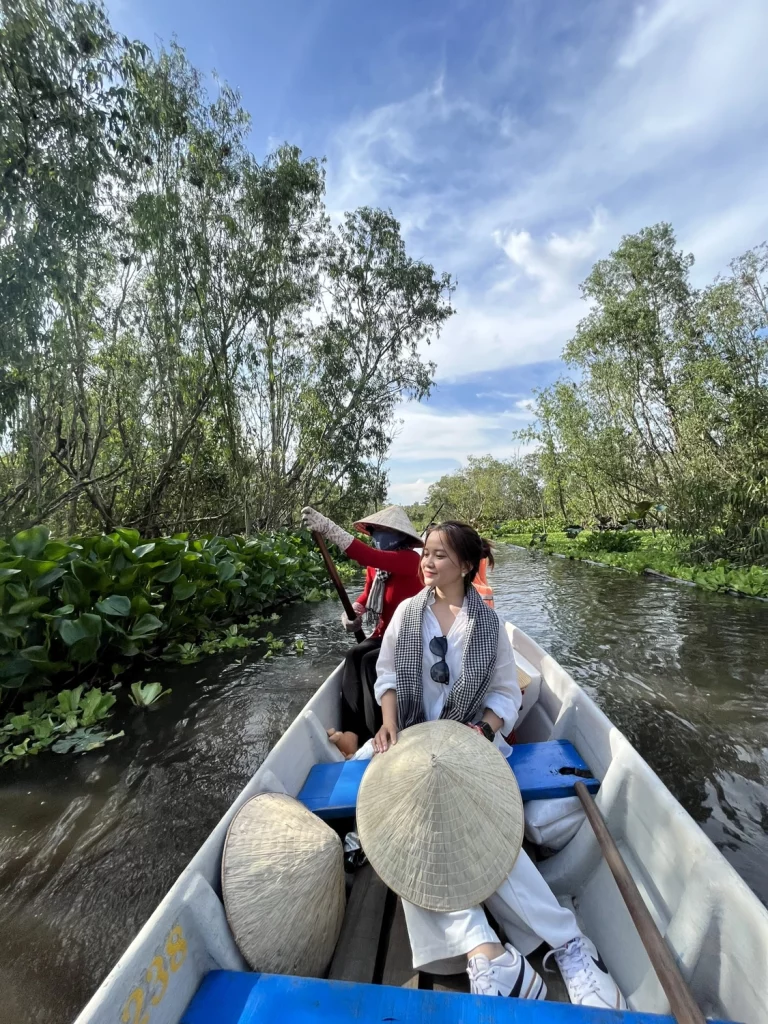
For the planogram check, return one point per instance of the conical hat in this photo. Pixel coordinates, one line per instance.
(282, 879)
(394, 518)
(440, 816)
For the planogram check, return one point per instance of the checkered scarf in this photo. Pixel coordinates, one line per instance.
(466, 696)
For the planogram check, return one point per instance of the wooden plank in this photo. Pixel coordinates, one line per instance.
(231, 997)
(398, 965)
(355, 956)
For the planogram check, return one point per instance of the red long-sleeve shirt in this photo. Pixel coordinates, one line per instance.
(403, 583)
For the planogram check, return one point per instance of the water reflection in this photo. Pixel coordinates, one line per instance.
(89, 846)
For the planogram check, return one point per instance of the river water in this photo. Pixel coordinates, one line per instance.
(89, 845)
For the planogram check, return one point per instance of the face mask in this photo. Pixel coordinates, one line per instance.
(386, 541)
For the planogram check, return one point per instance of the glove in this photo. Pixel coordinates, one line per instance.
(352, 625)
(313, 520)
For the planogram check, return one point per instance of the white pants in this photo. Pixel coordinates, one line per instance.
(524, 906)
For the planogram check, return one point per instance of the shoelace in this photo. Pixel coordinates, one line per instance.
(479, 971)
(576, 967)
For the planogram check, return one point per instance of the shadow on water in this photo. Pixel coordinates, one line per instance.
(88, 846)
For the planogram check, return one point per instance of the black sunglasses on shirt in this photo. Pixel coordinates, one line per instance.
(438, 646)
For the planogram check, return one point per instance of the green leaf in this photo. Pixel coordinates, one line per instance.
(56, 550)
(12, 669)
(50, 577)
(7, 573)
(74, 593)
(131, 537)
(35, 568)
(140, 605)
(27, 605)
(184, 589)
(69, 700)
(146, 624)
(74, 630)
(82, 740)
(149, 693)
(95, 706)
(30, 543)
(144, 549)
(226, 570)
(115, 604)
(170, 572)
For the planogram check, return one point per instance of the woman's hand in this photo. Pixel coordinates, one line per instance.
(314, 520)
(352, 625)
(384, 738)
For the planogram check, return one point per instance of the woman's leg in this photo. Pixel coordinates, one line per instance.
(527, 910)
(437, 936)
(352, 703)
(371, 709)
(445, 943)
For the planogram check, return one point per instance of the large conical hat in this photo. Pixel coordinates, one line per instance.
(440, 816)
(282, 878)
(393, 517)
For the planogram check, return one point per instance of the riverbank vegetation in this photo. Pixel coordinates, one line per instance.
(78, 617)
(187, 342)
(663, 424)
(636, 551)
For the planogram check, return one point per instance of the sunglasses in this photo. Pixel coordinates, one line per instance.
(438, 646)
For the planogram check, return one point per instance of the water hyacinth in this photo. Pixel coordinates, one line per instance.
(67, 608)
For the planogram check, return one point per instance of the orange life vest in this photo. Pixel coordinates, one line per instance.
(480, 583)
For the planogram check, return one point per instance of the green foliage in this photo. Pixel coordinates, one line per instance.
(610, 540)
(186, 340)
(667, 423)
(143, 696)
(65, 723)
(105, 599)
(485, 493)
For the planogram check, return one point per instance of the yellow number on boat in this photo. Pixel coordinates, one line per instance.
(132, 1010)
(157, 972)
(176, 948)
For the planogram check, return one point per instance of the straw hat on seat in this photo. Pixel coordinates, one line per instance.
(282, 878)
(440, 816)
(393, 517)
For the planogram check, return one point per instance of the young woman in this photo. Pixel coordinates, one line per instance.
(392, 575)
(446, 654)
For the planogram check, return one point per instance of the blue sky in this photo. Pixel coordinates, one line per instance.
(516, 142)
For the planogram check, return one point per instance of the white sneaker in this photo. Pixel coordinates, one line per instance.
(507, 975)
(585, 975)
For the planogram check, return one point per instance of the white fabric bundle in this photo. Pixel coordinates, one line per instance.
(553, 823)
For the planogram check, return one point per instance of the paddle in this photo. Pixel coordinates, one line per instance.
(336, 579)
(681, 1001)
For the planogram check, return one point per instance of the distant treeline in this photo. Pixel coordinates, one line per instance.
(668, 406)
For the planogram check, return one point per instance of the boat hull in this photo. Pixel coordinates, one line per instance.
(714, 924)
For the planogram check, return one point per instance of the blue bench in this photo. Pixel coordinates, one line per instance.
(232, 997)
(543, 771)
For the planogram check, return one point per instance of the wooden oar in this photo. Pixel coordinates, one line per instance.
(334, 574)
(681, 1001)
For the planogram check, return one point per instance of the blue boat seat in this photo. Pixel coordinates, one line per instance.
(233, 997)
(543, 771)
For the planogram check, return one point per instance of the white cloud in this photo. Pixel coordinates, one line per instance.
(427, 434)
(408, 492)
(664, 122)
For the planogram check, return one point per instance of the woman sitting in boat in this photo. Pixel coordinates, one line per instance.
(392, 575)
(446, 654)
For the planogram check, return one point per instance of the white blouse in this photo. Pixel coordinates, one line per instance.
(503, 696)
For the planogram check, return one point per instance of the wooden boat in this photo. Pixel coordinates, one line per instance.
(715, 926)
